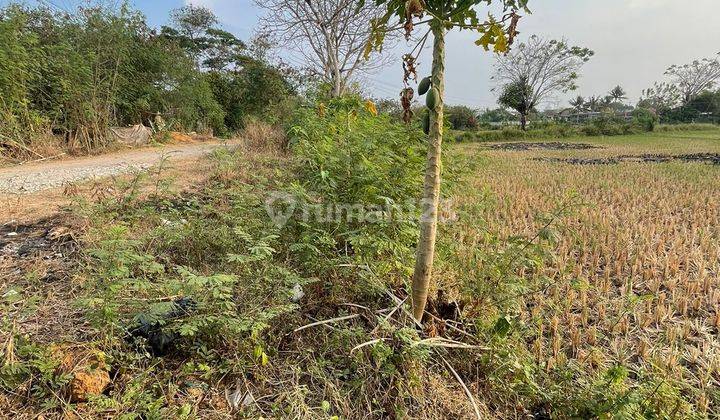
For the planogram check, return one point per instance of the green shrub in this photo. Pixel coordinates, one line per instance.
(461, 118)
(349, 157)
(604, 126)
(513, 133)
(20, 61)
(687, 127)
(231, 306)
(256, 90)
(645, 118)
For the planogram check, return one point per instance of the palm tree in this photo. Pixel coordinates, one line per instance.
(578, 103)
(607, 102)
(593, 104)
(618, 94)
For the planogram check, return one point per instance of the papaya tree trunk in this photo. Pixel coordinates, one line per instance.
(523, 122)
(431, 193)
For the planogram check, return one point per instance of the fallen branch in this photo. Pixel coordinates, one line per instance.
(368, 343)
(388, 316)
(355, 305)
(327, 321)
(464, 387)
(42, 159)
(447, 343)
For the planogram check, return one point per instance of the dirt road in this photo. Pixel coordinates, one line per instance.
(36, 190)
(41, 176)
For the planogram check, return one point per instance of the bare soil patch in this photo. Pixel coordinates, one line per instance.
(38, 259)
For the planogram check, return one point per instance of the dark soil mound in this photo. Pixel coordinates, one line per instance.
(23, 245)
(712, 158)
(580, 161)
(542, 146)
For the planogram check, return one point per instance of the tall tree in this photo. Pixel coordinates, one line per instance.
(441, 16)
(594, 104)
(518, 96)
(661, 97)
(545, 66)
(618, 94)
(706, 103)
(696, 77)
(195, 28)
(578, 103)
(329, 35)
(606, 102)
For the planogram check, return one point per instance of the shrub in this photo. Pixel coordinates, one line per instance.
(19, 69)
(254, 90)
(462, 118)
(512, 133)
(350, 157)
(606, 126)
(260, 136)
(77, 74)
(645, 118)
(687, 127)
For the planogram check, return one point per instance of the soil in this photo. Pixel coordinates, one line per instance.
(543, 146)
(46, 175)
(712, 158)
(35, 191)
(46, 239)
(38, 259)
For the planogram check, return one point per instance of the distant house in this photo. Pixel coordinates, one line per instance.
(573, 116)
(505, 123)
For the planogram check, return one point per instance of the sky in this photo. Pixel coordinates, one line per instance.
(634, 42)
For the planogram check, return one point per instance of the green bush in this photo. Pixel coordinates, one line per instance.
(81, 73)
(513, 133)
(349, 157)
(645, 118)
(687, 127)
(256, 90)
(461, 118)
(605, 126)
(19, 69)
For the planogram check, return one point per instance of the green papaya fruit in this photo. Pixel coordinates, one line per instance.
(431, 99)
(426, 123)
(424, 86)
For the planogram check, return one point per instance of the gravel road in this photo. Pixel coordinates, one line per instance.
(35, 177)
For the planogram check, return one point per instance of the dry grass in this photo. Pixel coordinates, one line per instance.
(637, 276)
(259, 136)
(635, 283)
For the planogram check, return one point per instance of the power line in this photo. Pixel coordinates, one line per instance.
(393, 90)
(451, 98)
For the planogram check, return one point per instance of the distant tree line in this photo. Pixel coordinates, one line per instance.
(689, 95)
(77, 74)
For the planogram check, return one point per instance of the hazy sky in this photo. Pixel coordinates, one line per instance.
(634, 42)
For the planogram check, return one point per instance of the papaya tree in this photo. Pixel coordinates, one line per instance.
(438, 17)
